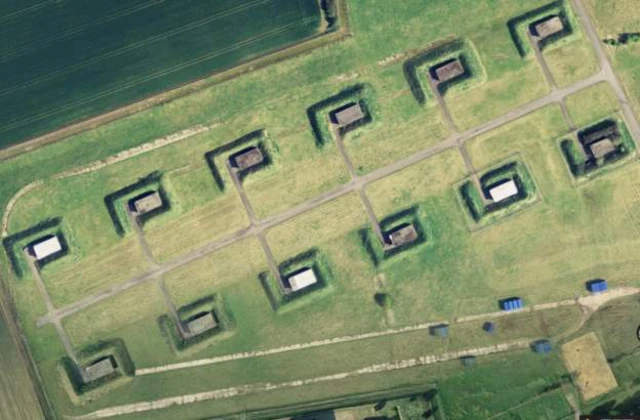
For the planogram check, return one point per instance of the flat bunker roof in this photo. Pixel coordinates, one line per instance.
(247, 158)
(46, 247)
(302, 280)
(201, 323)
(348, 114)
(403, 234)
(147, 202)
(601, 148)
(503, 191)
(548, 27)
(99, 369)
(448, 70)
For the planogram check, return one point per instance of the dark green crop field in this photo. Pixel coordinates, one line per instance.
(61, 61)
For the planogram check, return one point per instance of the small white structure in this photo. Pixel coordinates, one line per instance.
(45, 247)
(302, 280)
(503, 191)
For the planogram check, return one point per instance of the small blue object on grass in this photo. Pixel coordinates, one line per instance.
(597, 286)
(511, 304)
(541, 346)
(441, 330)
(489, 327)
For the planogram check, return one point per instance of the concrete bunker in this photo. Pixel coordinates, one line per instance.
(503, 190)
(247, 158)
(506, 188)
(199, 323)
(305, 277)
(447, 70)
(45, 247)
(597, 146)
(351, 113)
(546, 27)
(402, 235)
(146, 203)
(99, 369)
(300, 280)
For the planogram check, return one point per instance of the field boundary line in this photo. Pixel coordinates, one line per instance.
(267, 386)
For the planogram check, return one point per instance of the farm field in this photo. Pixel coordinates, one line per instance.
(127, 50)
(378, 318)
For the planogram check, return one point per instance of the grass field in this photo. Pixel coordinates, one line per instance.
(584, 356)
(128, 50)
(498, 391)
(544, 253)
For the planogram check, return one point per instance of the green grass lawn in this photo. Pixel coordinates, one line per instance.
(581, 105)
(510, 382)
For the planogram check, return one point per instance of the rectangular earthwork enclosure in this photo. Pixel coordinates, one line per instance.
(304, 277)
(244, 156)
(22, 245)
(143, 200)
(549, 25)
(453, 65)
(346, 111)
(505, 189)
(199, 324)
(101, 366)
(401, 231)
(597, 147)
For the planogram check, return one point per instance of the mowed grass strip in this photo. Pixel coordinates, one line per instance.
(239, 263)
(511, 80)
(572, 62)
(508, 381)
(585, 358)
(322, 224)
(592, 104)
(105, 319)
(95, 273)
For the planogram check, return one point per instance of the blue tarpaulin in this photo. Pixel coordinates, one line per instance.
(511, 304)
(597, 286)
